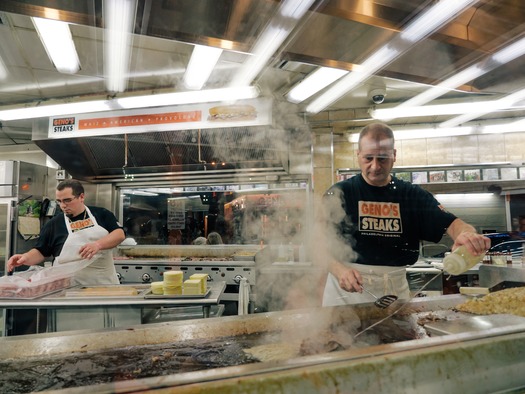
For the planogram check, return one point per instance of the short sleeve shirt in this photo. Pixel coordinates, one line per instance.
(54, 233)
(385, 224)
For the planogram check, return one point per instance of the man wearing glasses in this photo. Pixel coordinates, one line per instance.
(80, 233)
(374, 223)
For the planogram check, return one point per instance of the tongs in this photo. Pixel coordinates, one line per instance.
(381, 302)
(384, 301)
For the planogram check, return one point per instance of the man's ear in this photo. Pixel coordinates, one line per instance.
(395, 152)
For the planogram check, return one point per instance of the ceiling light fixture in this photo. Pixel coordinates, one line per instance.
(430, 110)
(155, 100)
(422, 26)
(295, 8)
(434, 18)
(194, 97)
(119, 17)
(444, 87)
(503, 56)
(58, 42)
(202, 62)
(363, 72)
(503, 103)
(271, 39)
(433, 131)
(510, 52)
(314, 82)
(407, 133)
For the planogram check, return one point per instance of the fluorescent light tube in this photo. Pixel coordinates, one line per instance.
(492, 106)
(353, 79)
(202, 62)
(432, 110)
(434, 18)
(503, 56)
(316, 81)
(295, 8)
(200, 96)
(3, 70)
(424, 132)
(271, 39)
(158, 100)
(510, 52)
(119, 17)
(446, 86)
(44, 111)
(58, 42)
(422, 26)
(264, 48)
(513, 127)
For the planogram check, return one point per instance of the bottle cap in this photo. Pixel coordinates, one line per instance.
(454, 264)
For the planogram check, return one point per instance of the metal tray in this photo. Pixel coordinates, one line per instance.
(473, 323)
(177, 296)
(80, 292)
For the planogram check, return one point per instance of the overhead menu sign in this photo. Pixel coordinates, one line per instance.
(256, 112)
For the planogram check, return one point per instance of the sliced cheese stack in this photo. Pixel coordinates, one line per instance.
(157, 288)
(204, 281)
(172, 283)
(192, 287)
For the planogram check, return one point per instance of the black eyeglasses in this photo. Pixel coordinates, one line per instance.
(66, 201)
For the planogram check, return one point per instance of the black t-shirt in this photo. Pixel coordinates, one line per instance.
(385, 224)
(54, 234)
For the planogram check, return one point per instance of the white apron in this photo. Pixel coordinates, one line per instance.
(102, 270)
(380, 280)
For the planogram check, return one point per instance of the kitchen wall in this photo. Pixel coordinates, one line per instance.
(473, 149)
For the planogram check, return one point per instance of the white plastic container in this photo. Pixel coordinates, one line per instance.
(460, 260)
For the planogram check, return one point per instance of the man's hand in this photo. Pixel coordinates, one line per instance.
(16, 260)
(474, 242)
(89, 250)
(349, 279)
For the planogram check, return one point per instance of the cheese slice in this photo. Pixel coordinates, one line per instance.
(203, 278)
(192, 287)
(473, 290)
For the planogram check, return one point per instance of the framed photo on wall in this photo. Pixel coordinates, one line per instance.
(419, 177)
(472, 175)
(436, 176)
(455, 176)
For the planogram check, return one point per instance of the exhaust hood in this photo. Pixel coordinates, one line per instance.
(181, 153)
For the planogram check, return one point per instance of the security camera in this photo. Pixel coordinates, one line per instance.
(377, 95)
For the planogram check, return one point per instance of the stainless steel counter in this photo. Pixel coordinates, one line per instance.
(60, 300)
(64, 313)
(490, 275)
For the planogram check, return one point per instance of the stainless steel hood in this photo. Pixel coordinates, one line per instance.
(229, 151)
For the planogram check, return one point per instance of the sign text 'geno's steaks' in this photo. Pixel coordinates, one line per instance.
(61, 125)
(381, 217)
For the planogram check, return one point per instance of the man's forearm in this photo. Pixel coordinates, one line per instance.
(335, 268)
(112, 239)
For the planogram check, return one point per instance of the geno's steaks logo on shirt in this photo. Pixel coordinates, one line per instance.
(81, 224)
(380, 217)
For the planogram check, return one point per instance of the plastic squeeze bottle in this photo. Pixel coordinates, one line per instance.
(460, 260)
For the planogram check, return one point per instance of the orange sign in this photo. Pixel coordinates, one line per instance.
(140, 120)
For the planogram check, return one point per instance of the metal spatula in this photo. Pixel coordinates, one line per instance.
(384, 301)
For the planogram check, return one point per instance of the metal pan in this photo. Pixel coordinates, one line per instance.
(475, 291)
